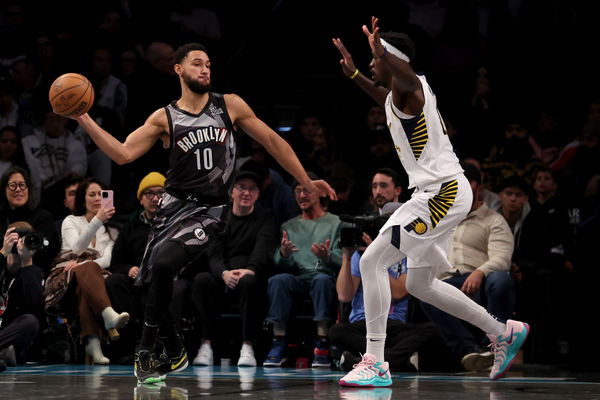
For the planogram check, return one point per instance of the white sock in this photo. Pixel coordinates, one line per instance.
(248, 348)
(377, 348)
(206, 347)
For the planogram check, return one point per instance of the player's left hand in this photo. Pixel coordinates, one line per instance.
(374, 40)
(322, 188)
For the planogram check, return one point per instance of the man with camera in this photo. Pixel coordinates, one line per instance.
(22, 299)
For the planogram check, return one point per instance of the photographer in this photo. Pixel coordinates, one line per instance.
(386, 187)
(21, 300)
(403, 339)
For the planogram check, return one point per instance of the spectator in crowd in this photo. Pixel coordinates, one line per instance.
(323, 153)
(301, 137)
(195, 23)
(341, 179)
(403, 339)
(18, 204)
(11, 114)
(70, 186)
(52, 153)
(489, 198)
(543, 267)
(110, 91)
(239, 263)
(29, 92)
(512, 155)
(574, 174)
(87, 243)
(480, 255)
(305, 263)
(22, 299)
(275, 193)
(126, 257)
(11, 149)
(514, 204)
(385, 188)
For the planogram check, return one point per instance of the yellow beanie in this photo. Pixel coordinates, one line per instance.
(152, 179)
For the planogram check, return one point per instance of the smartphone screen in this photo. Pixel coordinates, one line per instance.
(106, 198)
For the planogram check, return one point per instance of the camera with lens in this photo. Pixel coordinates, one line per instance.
(31, 239)
(354, 226)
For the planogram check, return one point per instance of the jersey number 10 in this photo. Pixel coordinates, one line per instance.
(204, 159)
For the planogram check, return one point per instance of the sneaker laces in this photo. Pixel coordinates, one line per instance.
(365, 362)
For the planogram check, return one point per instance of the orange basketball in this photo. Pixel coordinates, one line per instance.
(71, 95)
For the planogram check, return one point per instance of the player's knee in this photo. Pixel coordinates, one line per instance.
(417, 287)
(368, 262)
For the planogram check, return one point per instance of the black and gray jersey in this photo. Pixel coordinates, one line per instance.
(203, 150)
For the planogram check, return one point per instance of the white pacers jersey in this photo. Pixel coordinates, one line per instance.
(421, 142)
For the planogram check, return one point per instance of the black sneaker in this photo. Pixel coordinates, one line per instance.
(145, 367)
(168, 364)
(348, 360)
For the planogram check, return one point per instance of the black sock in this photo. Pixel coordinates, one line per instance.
(148, 337)
(171, 340)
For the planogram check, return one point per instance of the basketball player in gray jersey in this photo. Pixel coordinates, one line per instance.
(421, 228)
(200, 128)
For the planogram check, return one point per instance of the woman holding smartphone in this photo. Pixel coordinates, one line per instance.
(87, 242)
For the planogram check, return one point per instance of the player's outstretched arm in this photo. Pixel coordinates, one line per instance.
(406, 86)
(242, 115)
(377, 93)
(137, 143)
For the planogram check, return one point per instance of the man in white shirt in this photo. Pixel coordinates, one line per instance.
(52, 153)
(480, 254)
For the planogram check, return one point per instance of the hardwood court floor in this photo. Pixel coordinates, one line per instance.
(118, 382)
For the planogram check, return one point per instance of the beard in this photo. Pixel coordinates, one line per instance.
(196, 86)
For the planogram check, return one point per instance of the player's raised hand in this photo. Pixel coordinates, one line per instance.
(347, 63)
(322, 188)
(374, 40)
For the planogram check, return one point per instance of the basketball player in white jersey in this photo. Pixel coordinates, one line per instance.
(420, 229)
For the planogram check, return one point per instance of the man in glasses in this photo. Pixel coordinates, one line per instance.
(126, 258)
(239, 263)
(306, 264)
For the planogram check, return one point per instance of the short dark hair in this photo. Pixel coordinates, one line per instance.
(31, 201)
(515, 181)
(402, 42)
(472, 173)
(183, 51)
(545, 169)
(72, 180)
(81, 191)
(389, 172)
(310, 174)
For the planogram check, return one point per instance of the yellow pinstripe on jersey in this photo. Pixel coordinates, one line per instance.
(441, 202)
(419, 137)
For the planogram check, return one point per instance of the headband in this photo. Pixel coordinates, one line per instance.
(392, 50)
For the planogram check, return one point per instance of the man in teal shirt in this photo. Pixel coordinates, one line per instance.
(306, 262)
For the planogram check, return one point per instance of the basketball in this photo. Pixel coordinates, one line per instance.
(71, 95)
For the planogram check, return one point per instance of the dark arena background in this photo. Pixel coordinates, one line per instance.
(493, 65)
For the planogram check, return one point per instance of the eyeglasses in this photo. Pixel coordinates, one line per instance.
(298, 191)
(12, 186)
(249, 189)
(150, 194)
